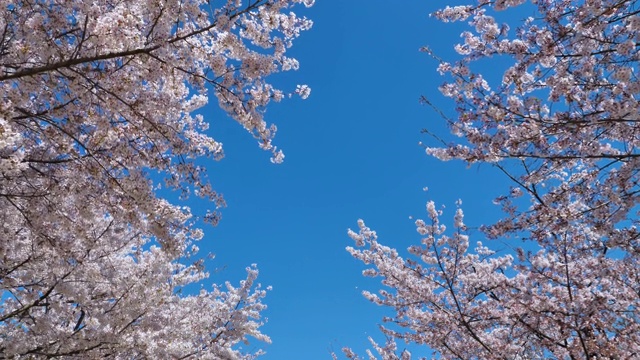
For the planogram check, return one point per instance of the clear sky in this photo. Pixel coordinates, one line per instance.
(352, 151)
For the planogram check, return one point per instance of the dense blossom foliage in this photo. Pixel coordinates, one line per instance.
(97, 95)
(563, 126)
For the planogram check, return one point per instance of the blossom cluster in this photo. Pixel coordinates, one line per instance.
(96, 96)
(562, 124)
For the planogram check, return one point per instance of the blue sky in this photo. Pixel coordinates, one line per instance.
(352, 151)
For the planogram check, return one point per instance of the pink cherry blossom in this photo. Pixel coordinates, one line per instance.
(96, 96)
(563, 126)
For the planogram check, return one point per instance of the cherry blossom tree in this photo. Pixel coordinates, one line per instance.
(563, 126)
(97, 96)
